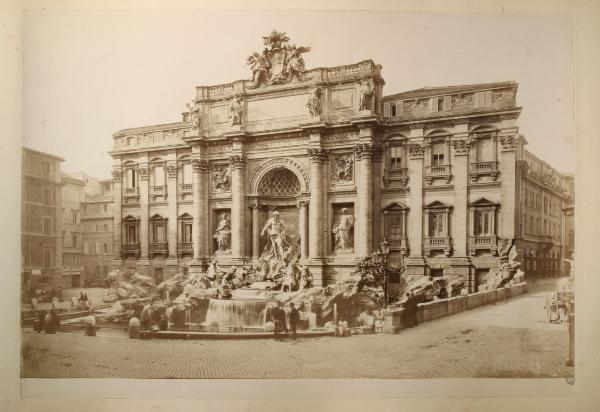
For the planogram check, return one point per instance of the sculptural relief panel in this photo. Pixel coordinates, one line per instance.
(221, 178)
(219, 114)
(342, 168)
(342, 99)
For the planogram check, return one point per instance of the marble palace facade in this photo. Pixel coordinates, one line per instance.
(434, 172)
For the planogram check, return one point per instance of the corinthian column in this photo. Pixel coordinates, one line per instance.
(144, 175)
(199, 213)
(172, 212)
(363, 225)
(238, 206)
(316, 225)
(303, 228)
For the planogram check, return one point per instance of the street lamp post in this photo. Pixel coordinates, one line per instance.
(385, 251)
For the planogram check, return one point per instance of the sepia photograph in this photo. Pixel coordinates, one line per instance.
(262, 194)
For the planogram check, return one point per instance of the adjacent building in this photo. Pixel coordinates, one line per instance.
(97, 224)
(73, 192)
(41, 220)
(437, 174)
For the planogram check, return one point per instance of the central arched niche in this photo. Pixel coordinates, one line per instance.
(279, 189)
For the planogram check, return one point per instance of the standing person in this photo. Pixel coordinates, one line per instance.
(38, 324)
(73, 301)
(34, 303)
(90, 327)
(411, 305)
(294, 318)
(54, 302)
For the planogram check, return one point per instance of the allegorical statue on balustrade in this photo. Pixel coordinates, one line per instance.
(314, 102)
(366, 90)
(276, 246)
(343, 231)
(194, 114)
(223, 235)
(235, 110)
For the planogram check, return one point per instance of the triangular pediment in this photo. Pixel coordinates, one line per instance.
(483, 202)
(395, 206)
(438, 205)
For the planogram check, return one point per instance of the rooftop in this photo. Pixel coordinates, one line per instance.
(441, 90)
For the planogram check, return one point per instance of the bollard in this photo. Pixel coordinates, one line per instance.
(571, 358)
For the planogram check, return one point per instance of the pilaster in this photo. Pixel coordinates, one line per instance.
(144, 179)
(415, 264)
(199, 210)
(508, 142)
(117, 216)
(363, 225)
(172, 171)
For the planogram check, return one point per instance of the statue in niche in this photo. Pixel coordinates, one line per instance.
(235, 110)
(314, 102)
(222, 179)
(343, 169)
(276, 247)
(343, 231)
(366, 90)
(223, 235)
(194, 114)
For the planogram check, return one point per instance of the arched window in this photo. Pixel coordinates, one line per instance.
(279, 183)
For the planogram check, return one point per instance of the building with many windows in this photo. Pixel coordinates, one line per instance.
(97, 225)
(437, 174)
(73, 192)
(41, 220)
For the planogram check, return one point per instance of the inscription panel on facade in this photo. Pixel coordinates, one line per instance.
(342, 99)
(277, 108)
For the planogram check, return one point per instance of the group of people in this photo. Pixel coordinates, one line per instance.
(83, 302)
(46, 322)
(280, 319)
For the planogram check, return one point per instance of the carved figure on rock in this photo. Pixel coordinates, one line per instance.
(223, 235)
(343, 231)
(366, 90)
(343, 169)
(235, 110)
(295, 62)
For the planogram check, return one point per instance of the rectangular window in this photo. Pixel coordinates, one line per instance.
(47, 258)
(74, 240)
(105, 248)
(105, 227)
(159, 176)
(74, 217)
(395, 157)
(393, 110)
(131, 178)
(545, 205)
(394, 226)
(438, 153)
(47, 196)
(440, 104)
(484, 150)
(105, 208)
(186, 173)
(437, 224)
(131, 234)
(186, 232)
(159, 233)
(86, 248)
(483, 222)
(97, 250)
(84, 210)
(47, 226)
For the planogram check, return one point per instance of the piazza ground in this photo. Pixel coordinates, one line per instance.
(509, 339)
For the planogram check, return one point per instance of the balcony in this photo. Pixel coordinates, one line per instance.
(185, 188)
(132, 191)
(437, 243)
(131, 249)
(484, 169)
(158, 248)
(159, 189)
(483, 242)
(395, 175)
(437, 172)
(185, 248)
(399, 244)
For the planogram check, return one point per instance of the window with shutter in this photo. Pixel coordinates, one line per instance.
(438, 153)
(399, 109)
(434, 104)
(484, 150)
(386, 110)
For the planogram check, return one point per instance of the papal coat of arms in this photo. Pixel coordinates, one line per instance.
(279, 62)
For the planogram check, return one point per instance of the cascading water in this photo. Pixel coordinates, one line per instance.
(236, 313)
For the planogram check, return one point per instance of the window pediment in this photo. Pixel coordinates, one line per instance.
(438, 205)
(395, 206)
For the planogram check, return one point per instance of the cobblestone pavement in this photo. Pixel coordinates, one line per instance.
(508, 339)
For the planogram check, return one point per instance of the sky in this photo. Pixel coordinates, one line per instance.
(88, 74)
